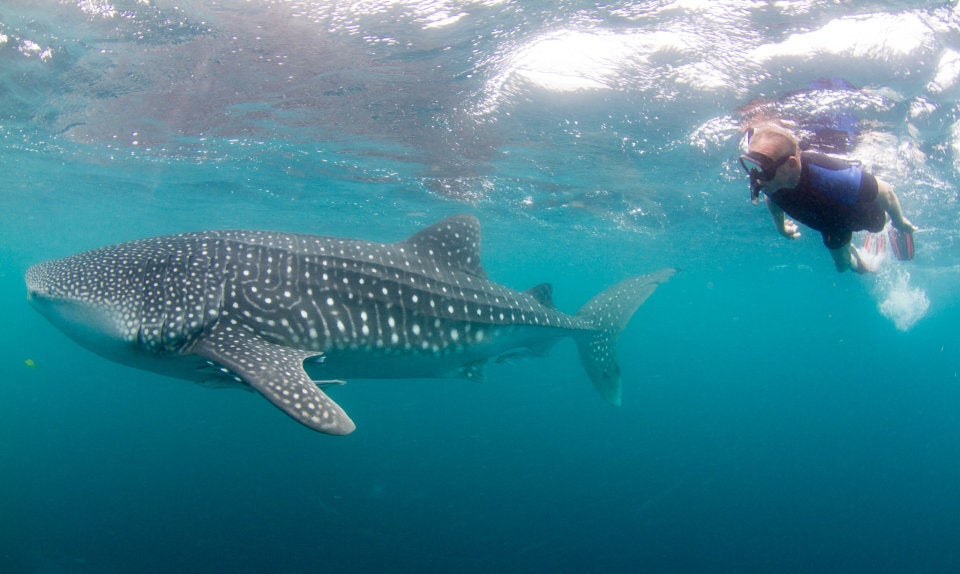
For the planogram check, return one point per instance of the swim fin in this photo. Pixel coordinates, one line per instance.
(901, 242)
(875, 243)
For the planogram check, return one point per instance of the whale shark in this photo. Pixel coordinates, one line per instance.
(288, 315)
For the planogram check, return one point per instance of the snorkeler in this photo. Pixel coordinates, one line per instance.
(824, 193)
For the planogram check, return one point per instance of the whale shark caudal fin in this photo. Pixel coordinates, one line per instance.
(277, 373)
(610, 311)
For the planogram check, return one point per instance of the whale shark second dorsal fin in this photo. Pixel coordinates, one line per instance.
(453, 242)
(543, 293)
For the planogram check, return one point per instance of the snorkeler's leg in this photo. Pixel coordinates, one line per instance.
(849, 257)
(891, 204)
(842, 259)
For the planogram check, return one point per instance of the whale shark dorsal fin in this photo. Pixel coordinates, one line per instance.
(453, 242)
(276, 372)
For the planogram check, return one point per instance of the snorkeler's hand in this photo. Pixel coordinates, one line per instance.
(789, 229)
(904, 225)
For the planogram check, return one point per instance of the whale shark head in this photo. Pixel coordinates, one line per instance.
(149, 293)
(92, 301)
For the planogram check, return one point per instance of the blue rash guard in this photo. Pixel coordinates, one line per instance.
(834, 197)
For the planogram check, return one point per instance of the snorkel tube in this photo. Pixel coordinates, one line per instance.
(755, 187)
(752, 173)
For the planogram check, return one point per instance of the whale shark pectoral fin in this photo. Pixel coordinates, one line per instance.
(276, 372)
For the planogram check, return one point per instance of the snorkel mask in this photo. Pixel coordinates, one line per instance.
(761, 169)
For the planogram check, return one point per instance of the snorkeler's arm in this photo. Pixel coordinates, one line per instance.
(891, 204)
(786, 227)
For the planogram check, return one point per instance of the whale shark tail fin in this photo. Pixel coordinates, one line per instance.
(610, 311)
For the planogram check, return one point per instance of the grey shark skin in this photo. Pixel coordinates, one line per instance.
(270, 311)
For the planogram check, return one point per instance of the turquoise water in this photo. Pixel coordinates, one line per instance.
(777, 416)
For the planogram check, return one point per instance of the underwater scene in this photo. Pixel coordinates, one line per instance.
(507, 250)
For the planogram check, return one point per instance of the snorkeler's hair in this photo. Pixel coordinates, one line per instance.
(775, 131)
